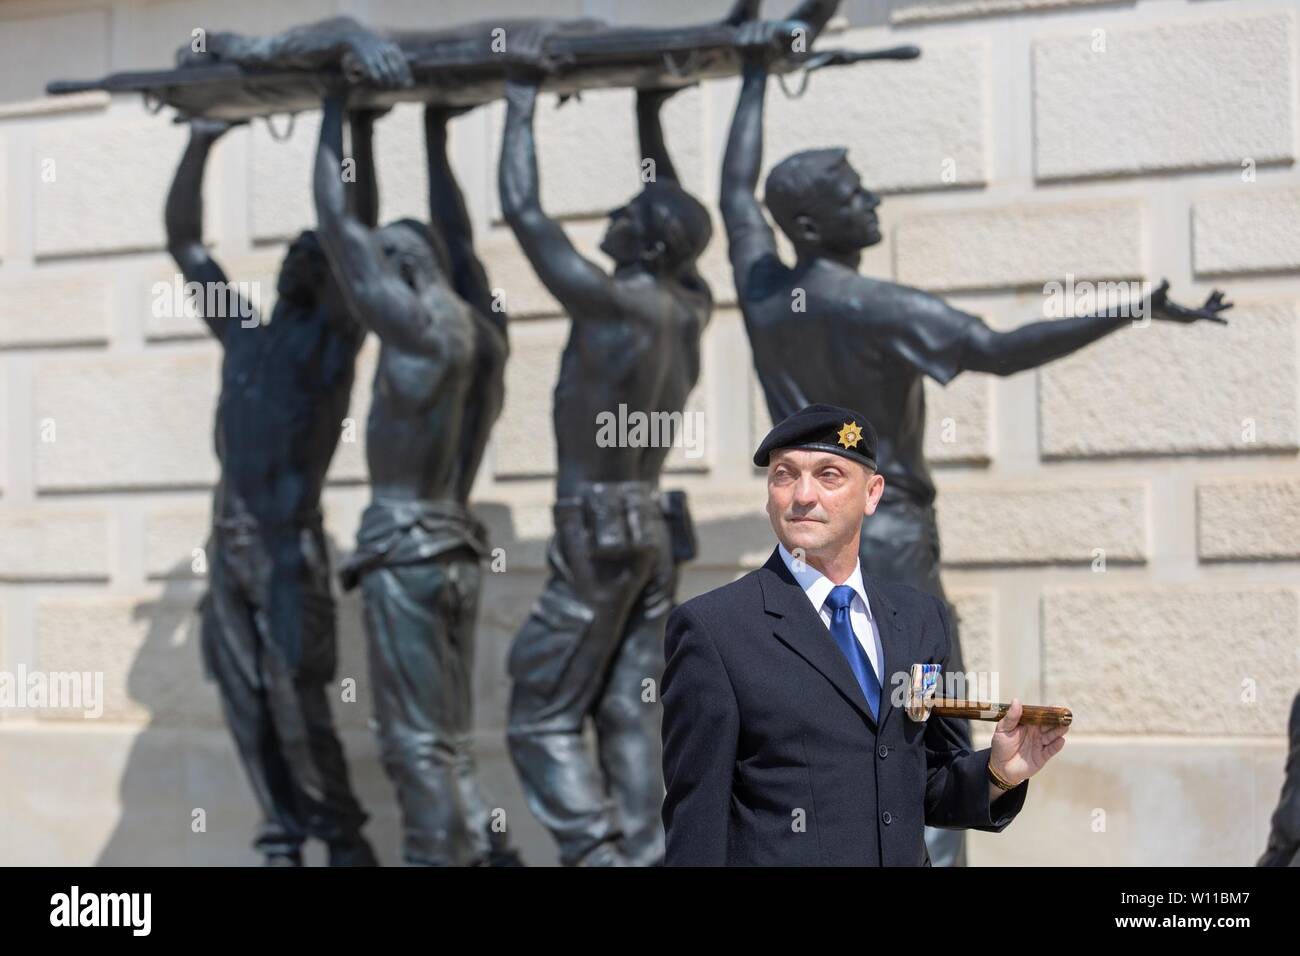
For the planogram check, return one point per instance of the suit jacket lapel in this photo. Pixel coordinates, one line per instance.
(797, 625)
(894, 644)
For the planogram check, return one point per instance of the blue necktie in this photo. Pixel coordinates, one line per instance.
(838, 601)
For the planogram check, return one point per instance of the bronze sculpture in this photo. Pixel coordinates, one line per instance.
(268, 618)
(595, 635)
(236, 77)
(438, 390)
(822, 332)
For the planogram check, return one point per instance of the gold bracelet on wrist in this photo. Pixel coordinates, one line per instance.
(999, 781)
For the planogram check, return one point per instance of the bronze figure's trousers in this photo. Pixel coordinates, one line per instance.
(419, 566)
(275, 702)
(900, 543)
(593, 648)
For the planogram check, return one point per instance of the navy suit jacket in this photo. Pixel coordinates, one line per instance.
(771, 756)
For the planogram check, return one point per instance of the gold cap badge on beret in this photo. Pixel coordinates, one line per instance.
(820, 427)
(850, 434)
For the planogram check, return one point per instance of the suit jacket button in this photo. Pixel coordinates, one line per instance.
(883, 751)
(887, 818)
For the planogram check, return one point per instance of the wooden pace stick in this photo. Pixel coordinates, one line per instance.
(1038, 715)
(920, 702)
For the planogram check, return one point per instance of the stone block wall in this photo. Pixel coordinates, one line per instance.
(1121, 529)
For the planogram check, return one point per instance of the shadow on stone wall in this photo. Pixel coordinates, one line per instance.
(182, 759)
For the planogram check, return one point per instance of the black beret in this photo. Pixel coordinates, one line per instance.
(831, 428)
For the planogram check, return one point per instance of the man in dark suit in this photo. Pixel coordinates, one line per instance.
(1284, 838)
(779, 746)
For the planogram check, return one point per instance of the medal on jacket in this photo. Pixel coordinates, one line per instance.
(925, 681)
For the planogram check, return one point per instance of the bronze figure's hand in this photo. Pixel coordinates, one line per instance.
(761, 41)
(1165, 308)
(374, 61)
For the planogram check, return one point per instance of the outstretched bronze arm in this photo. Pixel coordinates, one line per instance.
(373, 291)
(183, 218)
(650, 132)
(363, 192)
(749, 237)
(448, 215)
(744, 156)
(1037, 343)
(578, 283)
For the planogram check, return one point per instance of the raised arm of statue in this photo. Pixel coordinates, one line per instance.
(579, 284)
(184, 223)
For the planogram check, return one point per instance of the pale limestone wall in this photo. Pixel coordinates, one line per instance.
(1035, 139)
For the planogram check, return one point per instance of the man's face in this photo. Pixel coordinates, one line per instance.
(816, 500)
(850, 222)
